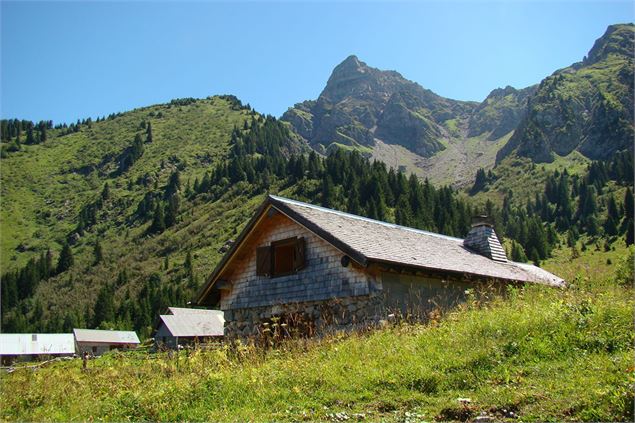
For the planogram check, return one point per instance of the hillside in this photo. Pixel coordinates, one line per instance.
(540, 355)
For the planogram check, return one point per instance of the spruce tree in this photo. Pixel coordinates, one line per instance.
(105, 192)
(65, 260)
(104, 307)
(629, 232)
(158, 221)
(149, 133)
(98, 252)
(628, 204)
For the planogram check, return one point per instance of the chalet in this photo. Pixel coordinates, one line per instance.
(35, 346)
(97, 342)
(186, 326)
(299, 262)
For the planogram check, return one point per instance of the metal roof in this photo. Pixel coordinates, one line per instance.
(106, 336)
(369, 241)
(194, 322)
(181, 310)
(36, 343)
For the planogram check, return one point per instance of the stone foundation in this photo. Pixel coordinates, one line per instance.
(301, 319)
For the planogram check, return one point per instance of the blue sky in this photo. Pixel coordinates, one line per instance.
(70, 60)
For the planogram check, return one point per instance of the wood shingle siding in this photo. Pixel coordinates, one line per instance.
(322, 276)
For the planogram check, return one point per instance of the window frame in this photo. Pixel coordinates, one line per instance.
(290, 242)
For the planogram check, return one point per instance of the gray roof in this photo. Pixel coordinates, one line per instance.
(185, 322)
(371, 241)
(106, 336)
(36, 343)
(389, 243)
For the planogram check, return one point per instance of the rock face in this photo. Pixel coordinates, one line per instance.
(360, 104)
(586, 107)
(500, 112)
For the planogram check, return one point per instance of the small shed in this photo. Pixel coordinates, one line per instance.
(97, 342)
(184, 326)
(35, 346)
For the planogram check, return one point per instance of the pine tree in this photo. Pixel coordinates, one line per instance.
(479, 181)
(65, 260)
(158, 221)
(149, 138)
(517, 253)
(174, 184)
(98, 253)
(628, 204)
(105, 192)
(172, 211)
(104, 310)
(629, 232)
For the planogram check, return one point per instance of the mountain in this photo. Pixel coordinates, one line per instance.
(586, 107)
(361, 104)
(405, 125)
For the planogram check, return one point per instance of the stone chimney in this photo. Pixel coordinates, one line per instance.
(483, 240)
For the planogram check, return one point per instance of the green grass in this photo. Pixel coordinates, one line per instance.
(545, 354)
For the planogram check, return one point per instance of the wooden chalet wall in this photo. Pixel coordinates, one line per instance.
(322, 278)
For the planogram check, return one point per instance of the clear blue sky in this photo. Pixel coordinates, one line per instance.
(64, 61)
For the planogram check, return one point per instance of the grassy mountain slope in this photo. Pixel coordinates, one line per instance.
(44, 186)
(539, 355)
(586, 107)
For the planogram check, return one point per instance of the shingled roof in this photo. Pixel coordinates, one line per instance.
(369, 241)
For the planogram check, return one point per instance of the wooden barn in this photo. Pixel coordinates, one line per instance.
(97, 342)
(302, 264)
(187, 326)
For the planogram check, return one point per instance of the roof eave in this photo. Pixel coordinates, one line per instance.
(206, 288)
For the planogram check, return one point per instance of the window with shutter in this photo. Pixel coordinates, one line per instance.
(299, 256)
(281, 258)
(263, 261)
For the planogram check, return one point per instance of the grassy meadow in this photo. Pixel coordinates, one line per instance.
(540, 354)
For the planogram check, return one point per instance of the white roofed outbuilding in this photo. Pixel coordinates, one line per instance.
(97, 342)
(188, 325)
(35, 345)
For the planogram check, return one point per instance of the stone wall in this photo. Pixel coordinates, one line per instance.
(304, 318)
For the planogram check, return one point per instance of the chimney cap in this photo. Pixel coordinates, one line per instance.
(482, 220)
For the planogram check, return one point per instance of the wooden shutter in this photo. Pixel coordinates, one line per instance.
(299, 259)
(263, 261)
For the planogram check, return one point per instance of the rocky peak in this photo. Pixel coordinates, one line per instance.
(618, 39)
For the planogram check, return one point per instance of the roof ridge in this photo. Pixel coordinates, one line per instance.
(362, 218)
